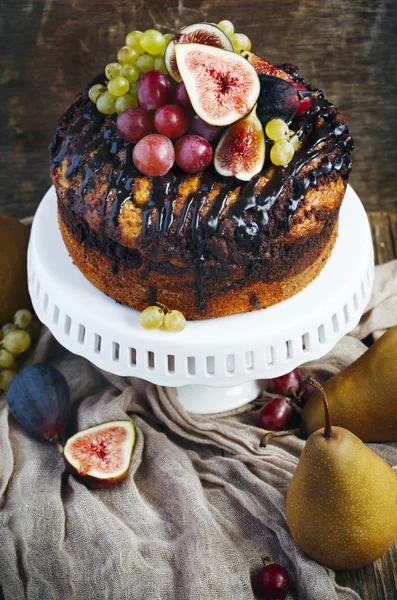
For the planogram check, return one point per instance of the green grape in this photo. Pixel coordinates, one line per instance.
(7, 328)
(243, 42)
(130, 72)
(106, 103)
(174, 321)
(95, 92)
(16, 341)
(113, 70)
(168, 37)
(276, 130)
(152, 317)
(281, 153)
(226, 26)
(293, 140)
(159, 65)
(127, 56)
(5, 379)
(145, 63)
(118, 86)
(6, 359)
(235, 42)
(133, 88)
(22, 318)
(152, 41)
(126, 101)
(133, 40)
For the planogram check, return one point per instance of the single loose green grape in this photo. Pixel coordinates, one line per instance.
(22, 318)
(243, 41)
(106, 103)
(16, 341)
(152, 317)
(159, 65)
(127, 56)
(130, 72)
(276, 130)
(152, 41)
(113, 70)
(126, 101)
(133, 40)
(7, 328)
(118, 86)
(281, 153)
(95, 91)
(145, 63)
(6, 359)
(226, 26)
(174, 321)
(5, 379)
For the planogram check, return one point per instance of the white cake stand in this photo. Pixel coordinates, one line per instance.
(215, 364)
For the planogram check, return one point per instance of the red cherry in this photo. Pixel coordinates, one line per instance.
(273, 582)
(275, 415)
(284, 383)
(305, 103)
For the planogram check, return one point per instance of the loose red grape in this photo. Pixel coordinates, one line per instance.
(181, 97)
(275, 415)
(306, 390)
(284, 383)
(193, 153)
(207, 131)
(273, 582)
(153, 90)
(154, 155)
(305, 103)
(134, 123)
(171, 120)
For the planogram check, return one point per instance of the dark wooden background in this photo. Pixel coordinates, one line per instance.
(49, 49)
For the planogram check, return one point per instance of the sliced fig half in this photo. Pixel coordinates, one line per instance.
(278, 99)
(198, 33)
(241, 150)
(263, 67)
(101, 455)
(222, 86)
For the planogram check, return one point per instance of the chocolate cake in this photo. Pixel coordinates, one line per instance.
(202, 243)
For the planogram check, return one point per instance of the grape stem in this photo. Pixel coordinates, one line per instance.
(163, 307)
(327, 413)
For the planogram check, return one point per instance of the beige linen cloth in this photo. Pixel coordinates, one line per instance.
(201, 504)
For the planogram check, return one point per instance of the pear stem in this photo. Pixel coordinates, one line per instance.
(276, 434)
(327, 413)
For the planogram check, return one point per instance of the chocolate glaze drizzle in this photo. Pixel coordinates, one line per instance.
(96, 138)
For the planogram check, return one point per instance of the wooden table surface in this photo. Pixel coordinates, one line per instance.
(49, 50)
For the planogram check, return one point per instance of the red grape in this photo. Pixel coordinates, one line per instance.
(153, 90)
(181, 97)
(284, 383)
(273, 582)
(134, 123)
(275, 415)
(305, 103)
(154, 155)
(171, 120)
(193, 153)
(306, 390)
(207, 131)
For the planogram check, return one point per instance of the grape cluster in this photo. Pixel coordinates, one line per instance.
(154, 317)
(143, 52)
(15, 340)
(240, 41)
(286, 142)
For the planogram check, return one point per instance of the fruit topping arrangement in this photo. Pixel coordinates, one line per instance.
(176, 95)
(39, 399)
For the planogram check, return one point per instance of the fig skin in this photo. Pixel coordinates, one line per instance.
(39, 399)
(263, 67)
(92, 481)
(278, 99)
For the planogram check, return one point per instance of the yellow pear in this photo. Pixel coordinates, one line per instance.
(363, 397)
(342, 499)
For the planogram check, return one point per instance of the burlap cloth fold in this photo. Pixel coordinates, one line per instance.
(201, 504)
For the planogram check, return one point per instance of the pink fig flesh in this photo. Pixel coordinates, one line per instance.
(241, 150)
(222, 86)
(101, 455)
